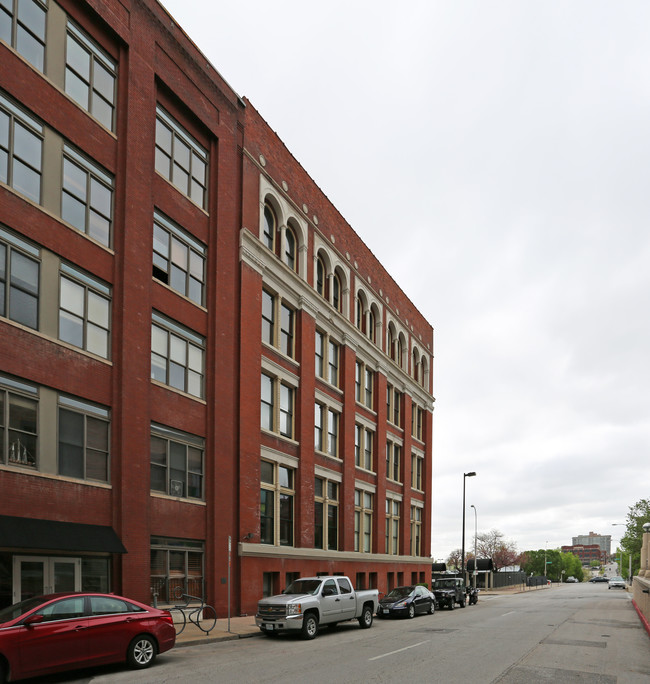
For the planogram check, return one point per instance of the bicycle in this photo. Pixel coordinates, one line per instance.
(204, 616)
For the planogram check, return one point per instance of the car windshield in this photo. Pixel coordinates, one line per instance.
(445, 584)
(399, 593)
(616, 579)
(303, 586)
(18, 609)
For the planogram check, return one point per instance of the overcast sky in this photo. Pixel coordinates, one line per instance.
(495, 157)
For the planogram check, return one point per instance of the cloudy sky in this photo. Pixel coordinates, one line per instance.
(495, 156)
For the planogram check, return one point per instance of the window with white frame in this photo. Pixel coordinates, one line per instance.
(87, 196)
(363, 512)
(84, 311)
(364, 440)
(393, 405)
(18, 423)
(177, 356)
(23, 25)
(84, 440)
(176, 568)
(277, 493)
(278, 323)
(326, 514)
(277, 401)
(392, 526)
(393, 461)
(290, 246)
(181, 159)
(90, 76)
(417, 470)
(326, 430)
(364, 382)
(21, 150)
(327, 358)
(416, 530)
(19, 279)
(176, 462)
(269, 227)
(178, 259)
(417, 414)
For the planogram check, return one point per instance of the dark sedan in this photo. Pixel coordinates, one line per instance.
(59, 632)
(406, 602)
(599, 578)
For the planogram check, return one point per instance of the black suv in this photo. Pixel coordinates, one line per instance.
(448, 591)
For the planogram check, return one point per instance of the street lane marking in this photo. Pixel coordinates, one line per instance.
(399, 650)
(509, 613)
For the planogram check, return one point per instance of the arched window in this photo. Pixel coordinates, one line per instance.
(337, 303)
(361, 319)
(398, 356)
(290, 249)
(390, 346)
(270, 224)
(371, 325)
(320, 277)
(415, 365)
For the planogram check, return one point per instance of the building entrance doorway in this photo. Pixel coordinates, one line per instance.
(34, 575)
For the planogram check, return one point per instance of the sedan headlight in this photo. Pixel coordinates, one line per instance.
(400, 604)
(294, 609)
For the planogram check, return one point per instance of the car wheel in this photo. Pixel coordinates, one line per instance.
(309, 626)
(365, 621)
(451, 605)
(432, 608)
(461, 603)
(141, 652)
(411, 611)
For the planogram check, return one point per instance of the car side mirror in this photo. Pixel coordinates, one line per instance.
(33, 620)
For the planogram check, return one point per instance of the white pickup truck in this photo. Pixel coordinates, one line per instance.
(309, 602)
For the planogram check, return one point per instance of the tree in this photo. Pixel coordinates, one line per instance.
(454, 560)
(493, 545)
(558, 565)
(638, 515)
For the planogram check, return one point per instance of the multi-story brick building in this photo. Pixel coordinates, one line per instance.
(204, 372)
(586, 553)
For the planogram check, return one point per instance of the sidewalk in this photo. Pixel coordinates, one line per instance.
(240, 628)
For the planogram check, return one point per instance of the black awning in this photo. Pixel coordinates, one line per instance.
(53, 535)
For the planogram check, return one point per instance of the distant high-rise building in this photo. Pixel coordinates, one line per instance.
(603, 540)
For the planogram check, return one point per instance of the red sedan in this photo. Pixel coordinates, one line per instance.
(59, 632)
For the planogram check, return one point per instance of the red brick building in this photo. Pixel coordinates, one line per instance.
(205, 375)
(587, 553)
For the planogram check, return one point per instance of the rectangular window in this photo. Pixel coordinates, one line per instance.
(276, 504)
(176, 462)
(320, 354)
(178, 259)
(369, 382)
(19, 280)
(332, 433)
(358, 381)
(326, 512)
(277, 401)
(176, 569)
(181, 159)
(84, 439)
(281, 337)
(393, 461)
(363, 511)
(417, 415)
(22, 25)
(21, 150)
(90, 76)
(87, 196)
(177, 356)
(393, 402)
(416, 531)
(417, 468)
(318, 426)
(84, 311)
(392, 526)
(327, 358)
(18, 423)
(363, 447)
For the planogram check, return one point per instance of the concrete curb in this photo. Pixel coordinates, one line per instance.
(642, 617)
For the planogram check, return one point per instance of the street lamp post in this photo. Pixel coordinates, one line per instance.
(475, 538)
(629, 555)
(462, 550)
